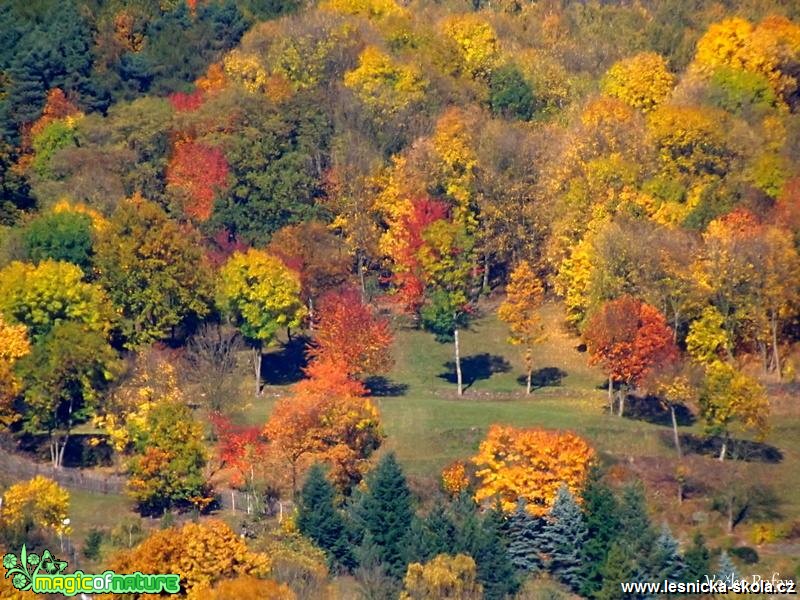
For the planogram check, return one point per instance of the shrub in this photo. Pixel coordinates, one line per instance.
(746, 554)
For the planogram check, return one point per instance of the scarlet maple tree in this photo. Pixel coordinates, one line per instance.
(629, 339)
(195, 172)
(409, 273)
(531, 464)
(238, 447)
(350, 335)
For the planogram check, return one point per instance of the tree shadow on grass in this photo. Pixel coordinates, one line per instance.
(285, 365)
(546, 377)
(381, 386)
(475, 367)
(744, 450)
(652, 410)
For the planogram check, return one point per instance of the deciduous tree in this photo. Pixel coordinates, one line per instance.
(630, 339)
(531, 464)
(41, 500)
(154, 270)
(524, 297)
(42, 296)
(351, 336)
(261, 295)
(445, 577)
(64, 377)
(204, 554)
(196, 173)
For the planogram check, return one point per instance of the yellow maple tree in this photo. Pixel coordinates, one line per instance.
(531, 464)
(524, 296)
(642, 81)
(444, 577)
(40, 499)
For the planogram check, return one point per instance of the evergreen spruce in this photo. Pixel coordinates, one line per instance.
(697, 559)
(637, 536)
(384, 511)
(524, 533)
(432, 535)
(319, 520)
(665, 560)
(602, 525)
(488, 548)
(563, 535)
(619, 566)
(726, 570)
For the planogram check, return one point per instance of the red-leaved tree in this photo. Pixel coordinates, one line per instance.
(350, 336)
(629, 339)
(195, 173)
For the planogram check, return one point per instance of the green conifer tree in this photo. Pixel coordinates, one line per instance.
(318, 519)
(433, 534)
(697, 559)
(600, 509)
(619, 566)
(488, 548)
(384, 511)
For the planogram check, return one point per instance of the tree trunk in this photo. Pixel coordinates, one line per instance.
(530, 376)
(675, 431)
(724, 450)
(485, 285)
(775, 350)
(310, 314)
(621, 395)
(610, 395)
(458, 364)
(361, 277)
(61, 450)
(257, 355)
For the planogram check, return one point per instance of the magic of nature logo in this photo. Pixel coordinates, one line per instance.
(44, 574)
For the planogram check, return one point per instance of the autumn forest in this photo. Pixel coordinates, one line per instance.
(400, 299)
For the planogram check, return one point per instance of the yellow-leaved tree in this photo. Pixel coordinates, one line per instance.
(641, 81)
(531, 464)
(731, 401)
(39, 502)
(384, 85)
(15, 345)
(520, 310)
(444, 577)
(476, 43)
(261, 295)
(204, 554)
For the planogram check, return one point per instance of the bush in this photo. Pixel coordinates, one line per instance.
(746, 554)
(91, 546)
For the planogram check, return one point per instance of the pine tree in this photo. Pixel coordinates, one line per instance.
(384, 511)
(665, 560)
(319, 520)
(697, 559)
(726, 570)
(602, 525)
(524, 532)
(563, 535)
(488, 548)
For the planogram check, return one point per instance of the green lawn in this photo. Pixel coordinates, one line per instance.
(429, 426)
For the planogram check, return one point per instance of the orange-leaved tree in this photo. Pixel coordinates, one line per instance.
(327, 418)
(524, 296)
(630, 339)
(531, 464)
(350, 335)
